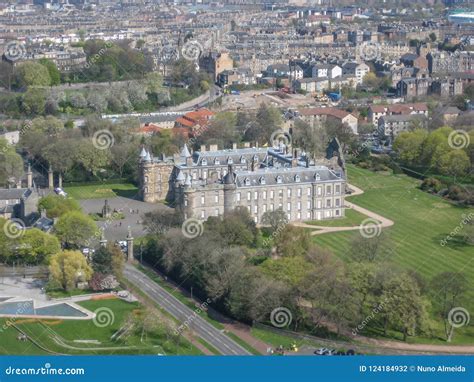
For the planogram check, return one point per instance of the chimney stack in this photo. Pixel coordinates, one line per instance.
(29, 177)
(50, 178)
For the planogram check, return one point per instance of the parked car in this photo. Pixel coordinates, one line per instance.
(60, 191)
(322, 351)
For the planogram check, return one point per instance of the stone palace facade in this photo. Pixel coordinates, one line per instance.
(212, 182)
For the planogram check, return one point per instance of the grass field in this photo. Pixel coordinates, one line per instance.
(99, 191)
(85, 337)
(352, 218)
(422, 221)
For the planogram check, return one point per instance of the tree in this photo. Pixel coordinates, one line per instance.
(293, 241)
(368, 249)
(32, 73)
(409, 145)
(11, 164)
(75, 229)
(35, 246)
(90, 157)
(121, 155)
(289, 270)
(235, 228)
(54, 74)
(313, 139)
(275, 219)
(221, 131)
(448, 289)
(68, 268)
(102, 261)
(56, 206)
(61, 156)
(403, 305)
(267, 120)
(161, 220)
(341, 131)
(33, 101)
(455, 163)
(49, 125)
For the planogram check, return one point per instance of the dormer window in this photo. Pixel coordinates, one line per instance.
(230, 161)
(217, 161)
(204, 162)
(247, 181)
(243, 160)
(262, 180)
(279, 179)
(317, 176)
(297, 178)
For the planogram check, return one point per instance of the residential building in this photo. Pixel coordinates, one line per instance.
(358, 70)
(317, 115)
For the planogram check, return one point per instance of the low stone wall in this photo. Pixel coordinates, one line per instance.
(36, 271)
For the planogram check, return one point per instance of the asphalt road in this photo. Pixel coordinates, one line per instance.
(182, 313)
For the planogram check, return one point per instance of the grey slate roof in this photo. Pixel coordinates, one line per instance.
(14, 193)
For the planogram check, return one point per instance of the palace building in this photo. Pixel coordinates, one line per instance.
(212, 182)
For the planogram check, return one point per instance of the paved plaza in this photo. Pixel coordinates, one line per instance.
(133, 211)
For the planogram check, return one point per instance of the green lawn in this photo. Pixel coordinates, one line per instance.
(68, 332)
(351, 218)
(100, 191)
(421, 221)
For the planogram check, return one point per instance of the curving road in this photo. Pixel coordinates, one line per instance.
(182, 313)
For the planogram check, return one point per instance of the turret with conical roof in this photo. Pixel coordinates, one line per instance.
(185, 152)
(229, 190)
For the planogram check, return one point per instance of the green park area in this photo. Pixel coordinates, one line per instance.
(415, 241)
(352, 218)
(101, 190)
(122, 329)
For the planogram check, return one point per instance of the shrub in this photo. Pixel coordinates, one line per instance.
(431, 185)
